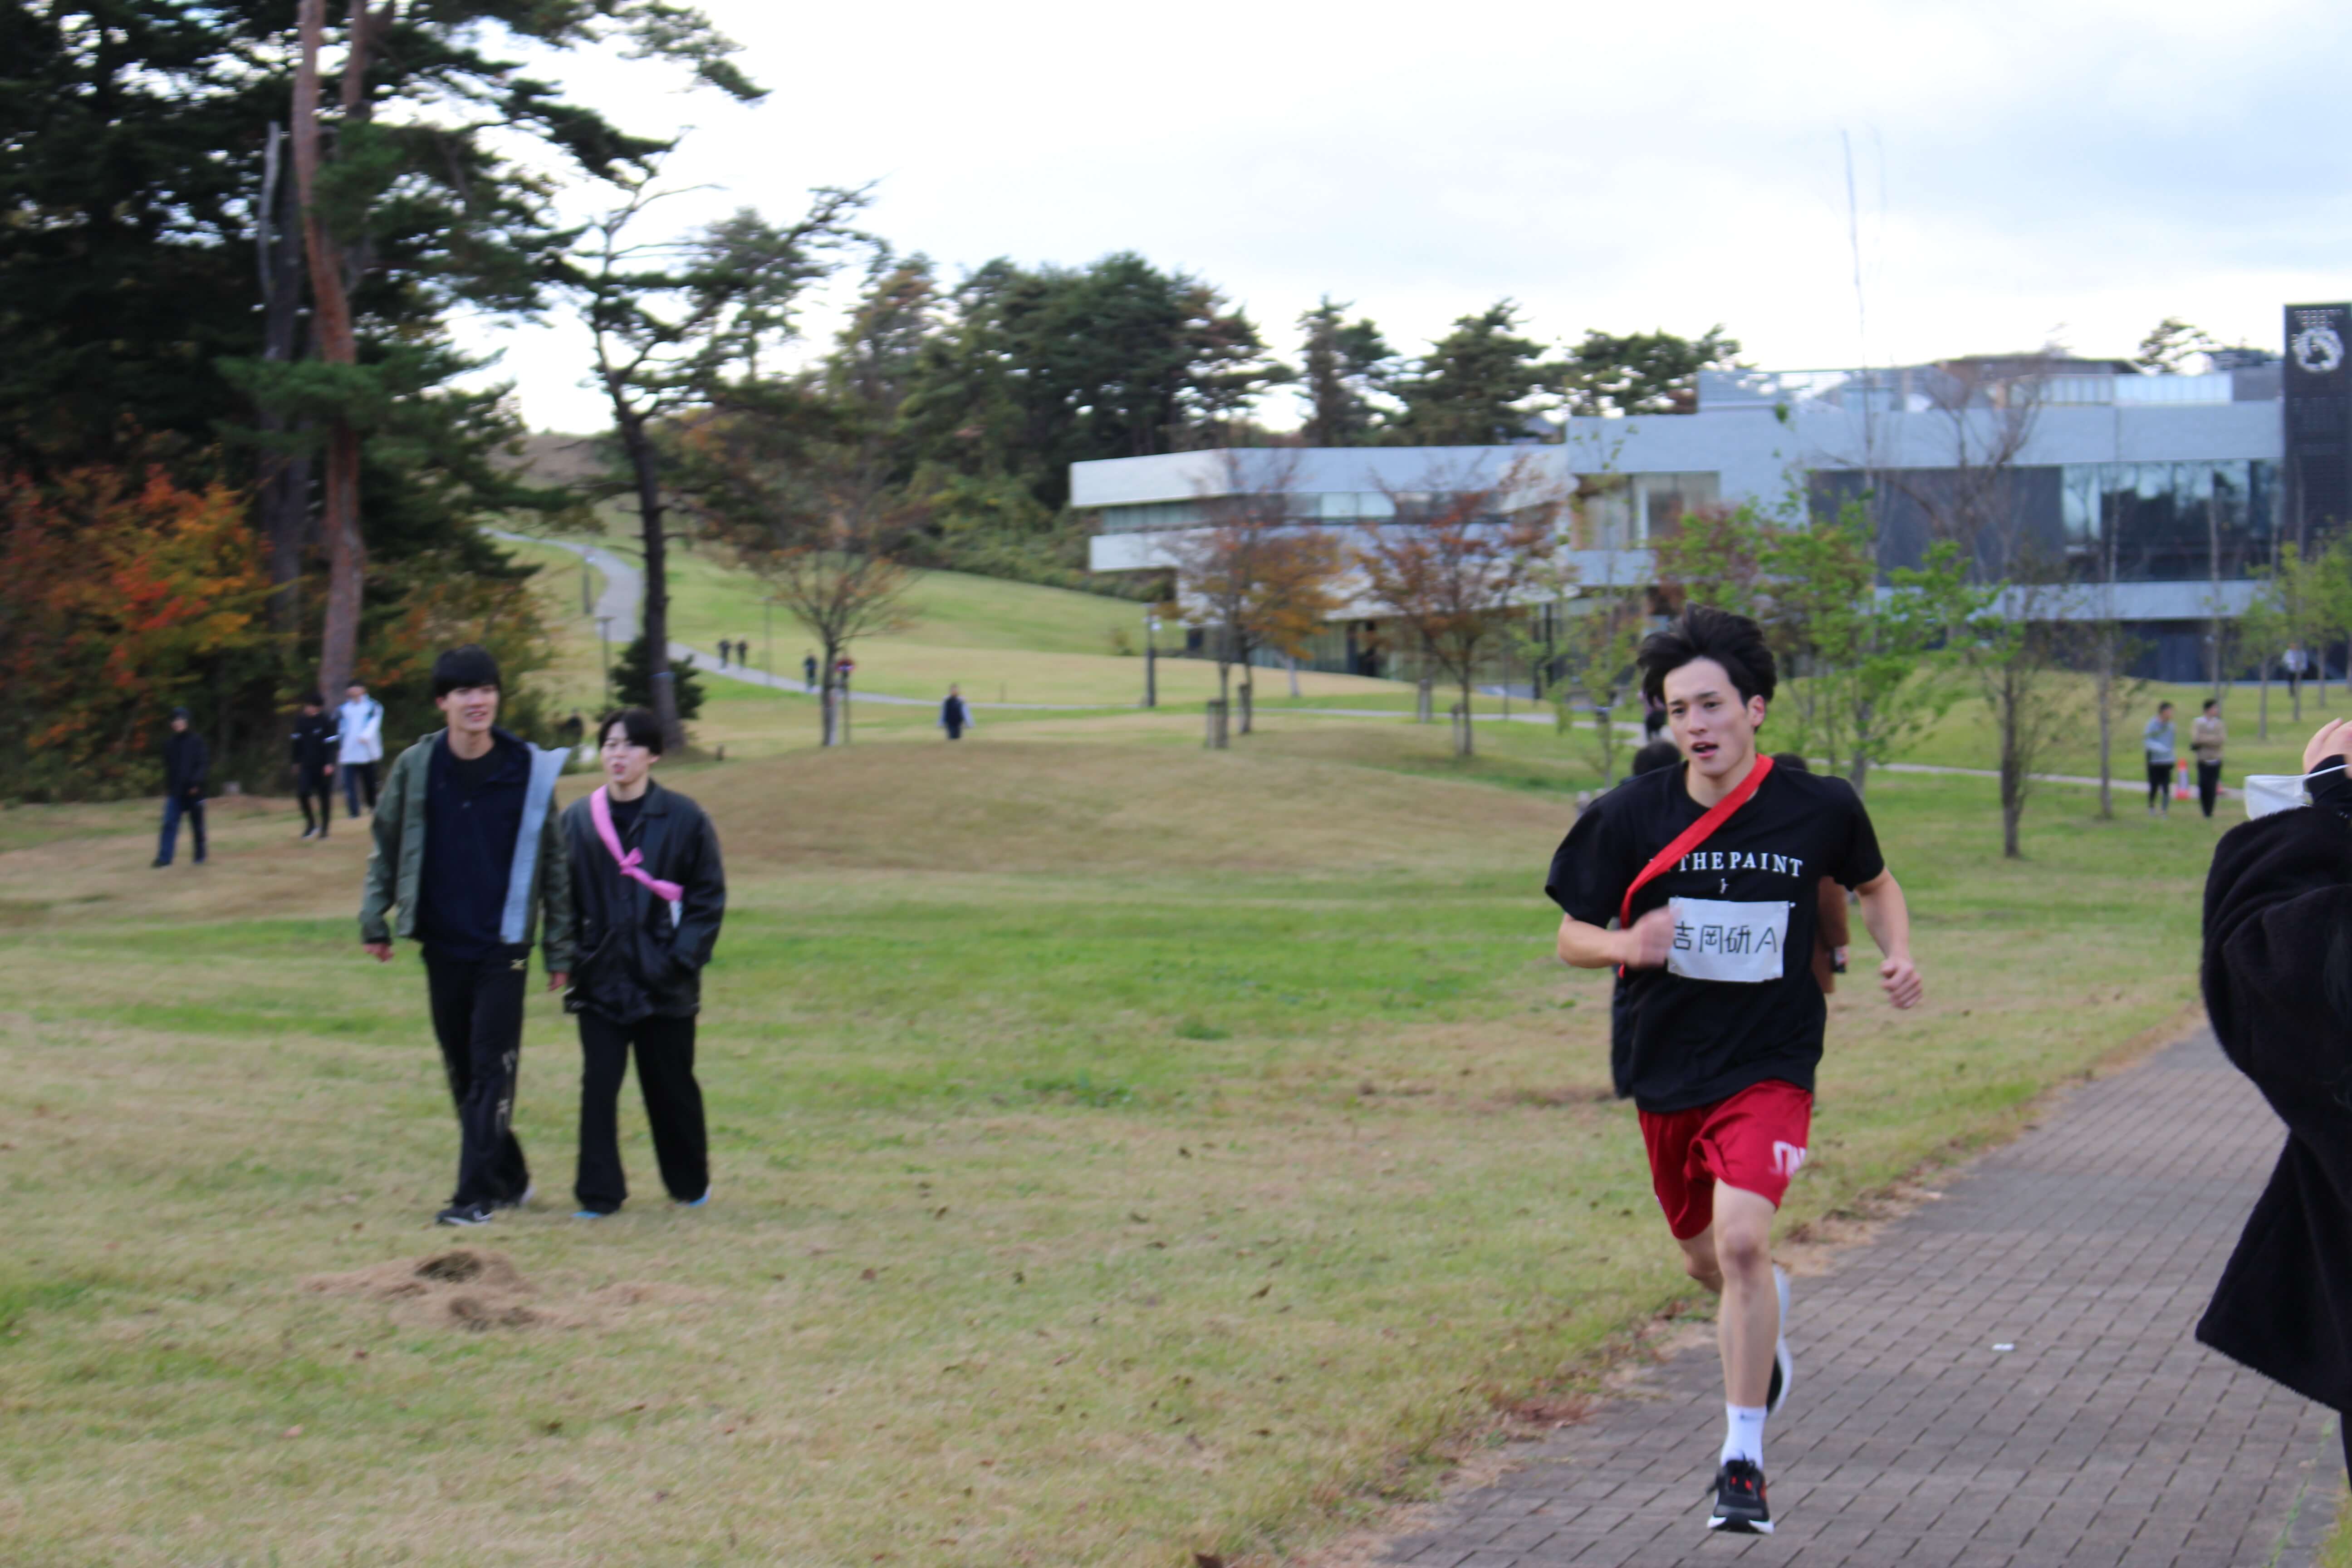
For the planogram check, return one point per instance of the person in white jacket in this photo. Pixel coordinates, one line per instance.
(361, 721)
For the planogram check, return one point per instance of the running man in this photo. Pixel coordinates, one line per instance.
(1710, 872)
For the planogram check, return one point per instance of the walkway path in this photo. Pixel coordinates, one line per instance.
(2004, 1377)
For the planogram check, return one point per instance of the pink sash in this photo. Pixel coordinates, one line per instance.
(632, 863)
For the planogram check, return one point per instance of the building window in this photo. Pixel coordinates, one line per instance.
(2156, 522)
(1626, 511)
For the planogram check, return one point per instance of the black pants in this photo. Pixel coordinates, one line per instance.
(673, 1106)
(955, 732)
(478, 1016)
(359, 776)
(2160, 786)
(2208, 785)
(309, 785)
(175, 806)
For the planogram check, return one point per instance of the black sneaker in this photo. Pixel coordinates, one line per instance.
(529, 1191)
(1740, 1500)
(464, 1213)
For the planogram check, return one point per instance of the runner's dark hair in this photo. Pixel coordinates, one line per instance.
(1792, 760)
(1700, 631)
(639, 724)
(462, 667)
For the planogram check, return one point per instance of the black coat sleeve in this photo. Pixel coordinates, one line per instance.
(2278, 920)
(703, 878)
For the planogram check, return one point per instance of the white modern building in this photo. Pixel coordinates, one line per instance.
(2164, 486)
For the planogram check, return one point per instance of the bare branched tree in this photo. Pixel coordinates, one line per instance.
(1257, 575)
(1458, 565)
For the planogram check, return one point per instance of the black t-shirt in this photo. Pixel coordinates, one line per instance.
(624, 814)
(473, 814)
(1681, 1041)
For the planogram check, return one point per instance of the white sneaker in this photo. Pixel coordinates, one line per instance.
(1784, 1366)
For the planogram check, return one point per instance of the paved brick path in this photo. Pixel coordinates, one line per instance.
(2107, 1436)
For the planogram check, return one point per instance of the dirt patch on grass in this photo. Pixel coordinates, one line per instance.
(464, 1288)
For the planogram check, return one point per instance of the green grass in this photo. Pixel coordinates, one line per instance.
(1119, 1153)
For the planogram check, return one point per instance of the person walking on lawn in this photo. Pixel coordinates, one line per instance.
(955, 718)
(1710, 872)
(360, 721)
(316, 746)
(2159, 741)
(651, 892)
(187, 762)
(2206, 738)
(467, 847)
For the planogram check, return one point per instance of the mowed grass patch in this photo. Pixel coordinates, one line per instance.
(1119, 1152)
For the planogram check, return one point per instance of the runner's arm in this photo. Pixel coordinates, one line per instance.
(1644, 946)
(1889, 919)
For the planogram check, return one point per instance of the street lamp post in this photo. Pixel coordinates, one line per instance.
(768, 637)
(1151, 658)
(605, 642)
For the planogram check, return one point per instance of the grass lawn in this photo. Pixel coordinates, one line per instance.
(1120, 1152)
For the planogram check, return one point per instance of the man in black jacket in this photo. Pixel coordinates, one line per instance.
(2278, 987)
(316, 742)
(649, 892)
(186, 762)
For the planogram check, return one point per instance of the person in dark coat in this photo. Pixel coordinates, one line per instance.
(187, 762)
(317, 744)
(2278, 987)
(954, 717)
(650, 891)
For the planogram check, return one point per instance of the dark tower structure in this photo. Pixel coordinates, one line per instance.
(2317, 411)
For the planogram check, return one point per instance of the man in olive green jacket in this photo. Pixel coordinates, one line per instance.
(469, 850)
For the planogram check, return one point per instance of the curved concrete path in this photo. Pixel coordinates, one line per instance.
(2002, 1379)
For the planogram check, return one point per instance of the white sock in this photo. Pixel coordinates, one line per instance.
(1743, 1433)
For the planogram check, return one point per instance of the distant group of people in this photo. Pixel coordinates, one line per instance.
(2160, 739)
(738, 647)
(624, 893)
(349, 742)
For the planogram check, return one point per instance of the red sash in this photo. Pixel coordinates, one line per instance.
(1691, 837)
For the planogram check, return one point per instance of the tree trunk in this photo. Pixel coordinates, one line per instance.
(332, 331)
(285, 477)
(1462, 745)
(1249, 689)
(2108, 725)
(2264, 667)
(644, 468)
(2013, 777)
(1294, 675)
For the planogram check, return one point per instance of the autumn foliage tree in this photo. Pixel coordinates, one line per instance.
(1256, 577)
(1454, 569)
(121, 596)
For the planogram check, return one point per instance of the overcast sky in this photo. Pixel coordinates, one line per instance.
(2026, 171)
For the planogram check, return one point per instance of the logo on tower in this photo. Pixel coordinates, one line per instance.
(2318, 349)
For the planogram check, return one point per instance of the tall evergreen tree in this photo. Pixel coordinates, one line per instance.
(1478, 386)
(1346, 365)
(1643, 373)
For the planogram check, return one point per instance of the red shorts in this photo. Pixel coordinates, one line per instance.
(1755, 1140)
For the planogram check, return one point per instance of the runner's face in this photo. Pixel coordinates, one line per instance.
(1714, 729)
(471, 709)
(627, 764)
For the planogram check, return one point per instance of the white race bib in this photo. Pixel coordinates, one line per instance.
(1715, 938)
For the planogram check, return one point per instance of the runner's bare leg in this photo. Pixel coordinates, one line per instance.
(1733, 1257)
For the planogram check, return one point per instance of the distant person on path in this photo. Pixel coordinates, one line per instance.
(808, 672)
(360, 721)
(954, 717)
(187, 762)
(316, 745)
(1650, 758)
(651, 892)
(722, 653)
(2206, 738)
(2278, 987)
(1700, 884)
(1653, 718)
(1836, 932)
(467, 847)
(2158, 742)
(2295, 662)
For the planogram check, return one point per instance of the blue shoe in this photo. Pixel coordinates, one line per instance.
(589, 1213)
(693, 1203)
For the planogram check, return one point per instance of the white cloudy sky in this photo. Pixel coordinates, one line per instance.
(2026, 169)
